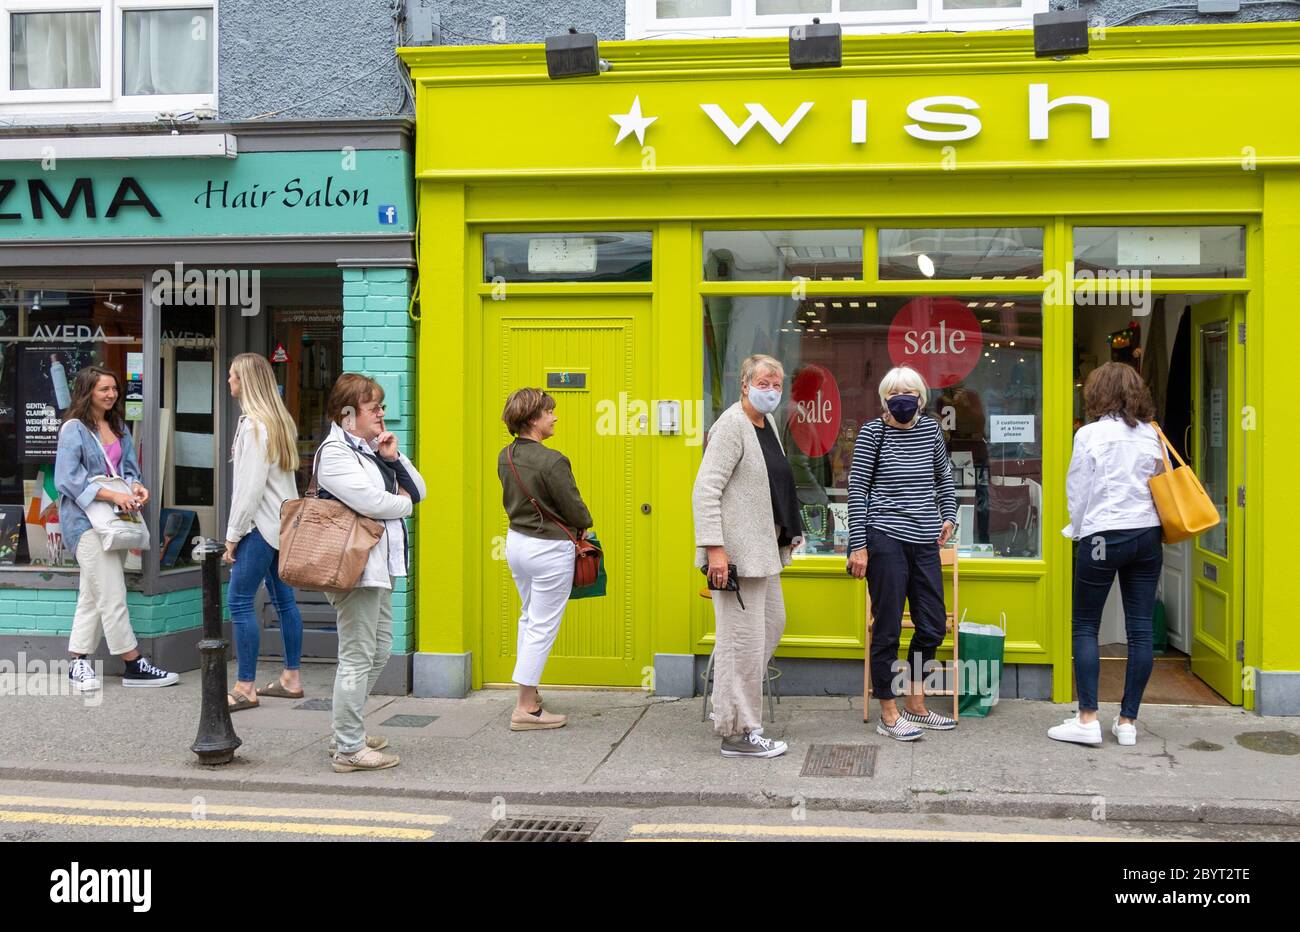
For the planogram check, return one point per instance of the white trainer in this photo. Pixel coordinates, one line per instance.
(1127, 734)
(1076, 732)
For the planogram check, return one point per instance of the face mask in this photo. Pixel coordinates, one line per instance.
(764, 400)
(903, 407)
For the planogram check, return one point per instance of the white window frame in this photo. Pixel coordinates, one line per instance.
(108, 97)
(64, 95)
(159, 102)
(642, 23)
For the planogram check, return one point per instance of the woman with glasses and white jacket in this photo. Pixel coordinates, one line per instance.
(359, 465)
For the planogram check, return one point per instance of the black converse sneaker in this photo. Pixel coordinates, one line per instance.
(81, 675)
(140, 672)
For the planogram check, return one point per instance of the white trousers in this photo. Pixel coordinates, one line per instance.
(101, 600)
(543, 573)
(746, 639)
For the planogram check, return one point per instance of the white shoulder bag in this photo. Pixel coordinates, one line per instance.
(118, 530)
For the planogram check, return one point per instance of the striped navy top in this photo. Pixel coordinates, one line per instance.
(912, 495)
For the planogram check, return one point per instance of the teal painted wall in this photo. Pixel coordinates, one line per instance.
(379, 341)
(50, 611)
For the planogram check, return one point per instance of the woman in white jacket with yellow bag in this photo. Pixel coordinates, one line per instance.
(265, 457)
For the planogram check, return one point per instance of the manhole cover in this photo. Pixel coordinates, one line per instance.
(1270, 742)
(409, 721)
(541, 829)
(840, 760)
(315, 705)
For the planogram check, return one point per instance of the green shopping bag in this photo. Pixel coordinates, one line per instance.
(979, 649)
(598, 587)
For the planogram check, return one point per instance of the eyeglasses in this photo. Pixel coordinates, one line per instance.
(376, 409)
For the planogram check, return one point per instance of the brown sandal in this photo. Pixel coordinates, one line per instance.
(241, 702)
(276, 690)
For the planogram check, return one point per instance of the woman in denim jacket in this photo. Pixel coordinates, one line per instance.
(94, 441)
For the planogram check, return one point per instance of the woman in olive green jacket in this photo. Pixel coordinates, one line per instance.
(546, 514)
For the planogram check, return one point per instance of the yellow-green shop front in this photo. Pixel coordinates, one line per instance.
(1003, 223)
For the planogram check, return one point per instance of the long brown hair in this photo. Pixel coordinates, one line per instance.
(1116, 389)
(83, 389)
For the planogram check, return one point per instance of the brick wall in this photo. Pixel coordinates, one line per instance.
(379, 341)
(50, 611)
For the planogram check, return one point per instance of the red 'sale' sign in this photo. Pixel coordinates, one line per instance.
(814, 410)
(938, 337)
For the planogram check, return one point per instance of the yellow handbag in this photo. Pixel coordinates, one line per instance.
(1184, 506)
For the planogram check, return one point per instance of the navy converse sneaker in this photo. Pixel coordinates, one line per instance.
(140, 672)
(82, 677)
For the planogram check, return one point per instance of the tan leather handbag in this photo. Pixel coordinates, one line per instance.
(324, 544)
(1184, 506)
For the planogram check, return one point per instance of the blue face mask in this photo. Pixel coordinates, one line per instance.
(765, 401)
(903, 407)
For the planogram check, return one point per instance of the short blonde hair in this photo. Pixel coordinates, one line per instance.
(759, 361)
(903, 379)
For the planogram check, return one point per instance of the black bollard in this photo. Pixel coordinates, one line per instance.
(216, 741)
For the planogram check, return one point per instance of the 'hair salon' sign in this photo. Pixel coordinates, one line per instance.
(256, 194)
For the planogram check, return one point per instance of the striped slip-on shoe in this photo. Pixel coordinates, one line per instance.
(931, 720)
(901, 730)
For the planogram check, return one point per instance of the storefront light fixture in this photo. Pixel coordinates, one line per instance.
(145, 146)
(574, 55)
(819, 45)
(108, 303)
(1060, 33)
(926, 265)
(36, 301)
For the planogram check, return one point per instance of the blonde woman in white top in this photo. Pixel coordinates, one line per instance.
(1114, 520)
(265, 457)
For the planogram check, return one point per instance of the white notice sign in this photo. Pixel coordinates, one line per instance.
(562, 254)
(1011, 428)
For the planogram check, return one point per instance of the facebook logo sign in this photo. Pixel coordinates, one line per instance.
(387, 214)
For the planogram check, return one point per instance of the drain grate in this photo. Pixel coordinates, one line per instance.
(840, 760)
(406, 720)
(531, 828)
(315, 705)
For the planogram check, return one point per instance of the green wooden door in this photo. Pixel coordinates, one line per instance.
(598, 349)
(1218, 395)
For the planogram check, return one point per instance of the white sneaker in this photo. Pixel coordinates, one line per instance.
(1075, 731)
(82, 676)
(1127, 734)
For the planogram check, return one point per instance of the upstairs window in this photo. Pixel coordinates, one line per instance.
(107, 55)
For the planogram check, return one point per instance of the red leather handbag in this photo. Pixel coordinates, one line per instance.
(587, 557)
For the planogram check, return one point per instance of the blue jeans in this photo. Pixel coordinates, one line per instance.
(256, 562)
(1137, 556)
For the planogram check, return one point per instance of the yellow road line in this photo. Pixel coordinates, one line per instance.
(220, 825)
(123, 805)
(844, 831)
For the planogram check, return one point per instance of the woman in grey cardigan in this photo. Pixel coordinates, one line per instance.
(746, 515)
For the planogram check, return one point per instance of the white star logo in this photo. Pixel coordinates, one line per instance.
(632, 122)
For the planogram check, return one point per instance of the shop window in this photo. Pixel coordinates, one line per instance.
(782, 255)
(189, 406)
(648, 18)
(567, 257)
(961, 253)
(981, 358)
(113, 55)
(48, 334)
(1162, 251)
